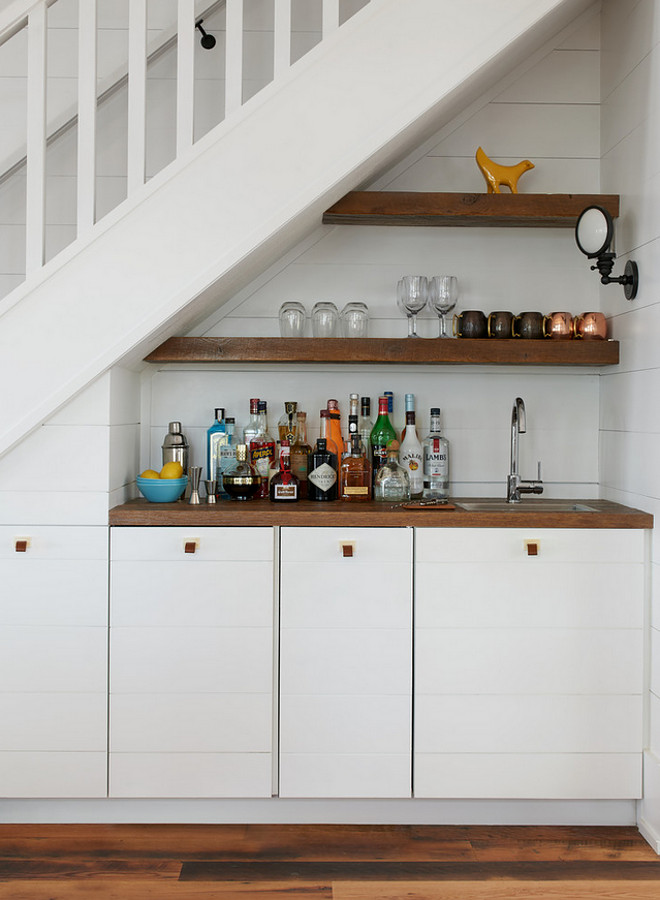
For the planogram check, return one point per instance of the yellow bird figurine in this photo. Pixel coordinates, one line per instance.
(497, 175)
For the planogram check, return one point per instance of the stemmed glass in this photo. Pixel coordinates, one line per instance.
(411, 298)
(443, 294)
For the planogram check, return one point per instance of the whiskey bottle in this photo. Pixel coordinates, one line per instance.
(284, 484)
(300, 454)
(355, 473)
(436, 461)
(322, 479)
(288, 423)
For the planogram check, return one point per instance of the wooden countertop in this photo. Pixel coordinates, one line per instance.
(354, 515)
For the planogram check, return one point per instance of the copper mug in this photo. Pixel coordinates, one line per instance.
(471, 323)
(591, 326)
(500, 324)
(558, 325)
(528, 325)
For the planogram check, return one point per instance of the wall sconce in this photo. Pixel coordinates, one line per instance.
(594, 233)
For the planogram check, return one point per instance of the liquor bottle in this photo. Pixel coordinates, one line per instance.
(241, 481)
(335, 426)
(300, 454)
(355, 473)
(227, 456)
(253, 425)
(381, 434)
(284, 484)
(216, 436)
(410, 407)
(322, 479)
(436, 461)
(365, 425)
(262, 450)
(390, 410)
(288, 423)
(411, 454)
(353, 420)
(392, 482)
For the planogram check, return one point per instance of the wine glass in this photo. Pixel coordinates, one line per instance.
(411, 298)
(443, 294)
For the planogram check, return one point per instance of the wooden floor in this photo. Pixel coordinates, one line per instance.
(271, 862)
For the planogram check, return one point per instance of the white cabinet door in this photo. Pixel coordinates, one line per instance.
(345, 662)
(528, 669)
(53, 661)
(191, 662)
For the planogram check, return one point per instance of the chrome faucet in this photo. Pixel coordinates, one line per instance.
(515, 485)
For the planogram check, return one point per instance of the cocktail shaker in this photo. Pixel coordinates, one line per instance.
(175, 446)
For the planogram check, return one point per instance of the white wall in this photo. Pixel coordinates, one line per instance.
(547, 111)
(630, 395)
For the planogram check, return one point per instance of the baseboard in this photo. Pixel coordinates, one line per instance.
(362, 812)
(648, 808)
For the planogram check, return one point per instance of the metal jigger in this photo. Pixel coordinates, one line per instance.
(210, 491)
(195, 473)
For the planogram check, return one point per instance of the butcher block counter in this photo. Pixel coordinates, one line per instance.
(468, 512)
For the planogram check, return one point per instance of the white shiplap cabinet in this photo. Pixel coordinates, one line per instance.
(191, 662)
(345, 662)
(528, 669)
(53, 661)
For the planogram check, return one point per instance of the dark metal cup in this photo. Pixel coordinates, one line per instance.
(500, 324)
(471, 323)
(528, 325)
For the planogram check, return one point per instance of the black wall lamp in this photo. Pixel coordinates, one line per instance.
(594, 233)
(207, 41)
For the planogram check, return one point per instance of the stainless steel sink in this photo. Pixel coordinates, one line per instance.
(495, 504)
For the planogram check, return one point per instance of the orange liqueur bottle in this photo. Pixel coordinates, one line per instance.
(355, 473)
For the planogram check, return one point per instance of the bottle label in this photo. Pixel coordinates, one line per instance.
(285, 491)
(435, 459)
(261, 456)
(358, 491)
(323, 477)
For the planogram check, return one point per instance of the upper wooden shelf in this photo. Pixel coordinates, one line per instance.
(509, 210)
(410, 351)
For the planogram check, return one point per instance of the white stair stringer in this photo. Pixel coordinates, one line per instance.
(252, 188)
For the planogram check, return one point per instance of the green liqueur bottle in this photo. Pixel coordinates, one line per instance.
(381, 434)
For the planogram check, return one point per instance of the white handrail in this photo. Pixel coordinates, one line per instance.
(33, 15)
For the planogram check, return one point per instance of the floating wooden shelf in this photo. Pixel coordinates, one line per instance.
(389, 351)
(508, 210)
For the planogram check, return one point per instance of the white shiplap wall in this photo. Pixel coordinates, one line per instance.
(630, 395)
(548, 111)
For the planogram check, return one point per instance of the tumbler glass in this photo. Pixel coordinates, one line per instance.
(325, 320)
(292, 319)
(355, 320)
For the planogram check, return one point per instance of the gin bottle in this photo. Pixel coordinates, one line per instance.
(436, 461)
(322, 479)
(381, 434)
(216, 436)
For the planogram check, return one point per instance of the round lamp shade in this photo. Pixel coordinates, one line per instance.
(594, 231)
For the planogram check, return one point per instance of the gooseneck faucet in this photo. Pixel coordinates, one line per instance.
(515, 485)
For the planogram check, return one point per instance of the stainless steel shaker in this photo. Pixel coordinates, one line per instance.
(175, 446)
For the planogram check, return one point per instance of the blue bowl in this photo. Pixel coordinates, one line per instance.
(162, 490)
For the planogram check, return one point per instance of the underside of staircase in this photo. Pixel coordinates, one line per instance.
(252, 188)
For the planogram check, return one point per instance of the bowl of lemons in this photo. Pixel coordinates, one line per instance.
(165, 486)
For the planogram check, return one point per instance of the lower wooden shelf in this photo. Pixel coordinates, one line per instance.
(407, 351)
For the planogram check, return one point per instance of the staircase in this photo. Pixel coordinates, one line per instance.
(237, 199)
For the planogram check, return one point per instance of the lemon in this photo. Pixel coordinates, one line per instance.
(172, 469)
(149, 473)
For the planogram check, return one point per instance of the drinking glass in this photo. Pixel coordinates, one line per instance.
(443, 294)
(325, 320)
(411, 296)
(292, 319)
(355, 320)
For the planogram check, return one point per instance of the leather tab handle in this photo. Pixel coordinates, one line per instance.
(532, 548)
(21, 545)
(190, 546)
(347, 550)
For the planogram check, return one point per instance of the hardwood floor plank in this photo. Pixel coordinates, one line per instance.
(106, 889)
(86, 868)
(350, 870)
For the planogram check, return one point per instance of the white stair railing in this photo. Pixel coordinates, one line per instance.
(33, 16)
